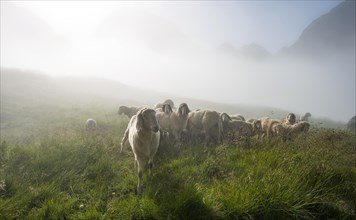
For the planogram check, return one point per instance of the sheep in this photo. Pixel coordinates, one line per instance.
(305, 117)
(170, 102)
(178, 121)
(91, 124)
(174, 122)
(290, 132)
(158, 106)
(205, 122)
(238, 117)
(163, 117)
(144, 137)
(225, 120)
(257, 123)
(128, 111)
(268, 127)
(243, 128)
(290, 119)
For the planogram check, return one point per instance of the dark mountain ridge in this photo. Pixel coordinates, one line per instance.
(333, 32)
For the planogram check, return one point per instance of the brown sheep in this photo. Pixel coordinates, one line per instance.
(128, 111)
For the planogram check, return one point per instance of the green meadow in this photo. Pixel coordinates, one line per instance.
(52, 168)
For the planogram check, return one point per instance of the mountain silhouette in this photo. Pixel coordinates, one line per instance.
(331, 33)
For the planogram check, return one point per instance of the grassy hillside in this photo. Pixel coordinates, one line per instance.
(52, 168)
(67, 173)
(23, 91)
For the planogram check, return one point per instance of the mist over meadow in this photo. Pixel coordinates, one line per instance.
(147, 47)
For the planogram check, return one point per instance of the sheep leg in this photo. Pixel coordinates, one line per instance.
(150, 166)
(124, 139)
(139, 184)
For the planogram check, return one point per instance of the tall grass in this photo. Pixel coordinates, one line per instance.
(60, 171)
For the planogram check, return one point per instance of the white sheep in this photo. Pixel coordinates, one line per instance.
(174, 122)
(91, 124)
(205, 122)
(144, 137)
(178, 121)
(158, 106)
(163, 117)
(268, 127)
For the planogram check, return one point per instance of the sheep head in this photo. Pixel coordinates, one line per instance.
(167, 108)
(183, 110)
(257, 126)
(291, 118)
(170, 102)
(146, 118)
(225, 118)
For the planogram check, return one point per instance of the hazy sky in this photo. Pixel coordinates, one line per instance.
(171, 47)
(272, 24)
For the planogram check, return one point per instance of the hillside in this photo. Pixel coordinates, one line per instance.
(26, 91)
(332, 33)
(52, 168)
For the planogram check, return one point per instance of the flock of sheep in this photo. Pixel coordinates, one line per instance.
(150, 127)
(182, 124)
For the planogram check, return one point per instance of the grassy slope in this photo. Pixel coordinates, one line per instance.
(50, 167)
(61, 171)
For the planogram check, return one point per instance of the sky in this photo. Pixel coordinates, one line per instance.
(208, 23)
(171, 47)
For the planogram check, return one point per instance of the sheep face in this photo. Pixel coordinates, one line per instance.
(183, 110)
(291, 118)
(91, 124)
(146, 118)
(170, 102)
(167, 108)
(257, 126)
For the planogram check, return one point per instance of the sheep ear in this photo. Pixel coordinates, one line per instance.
(139, 123)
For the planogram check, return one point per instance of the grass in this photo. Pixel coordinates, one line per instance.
(53, 169)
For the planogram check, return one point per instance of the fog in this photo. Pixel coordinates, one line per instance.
(176, 48)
